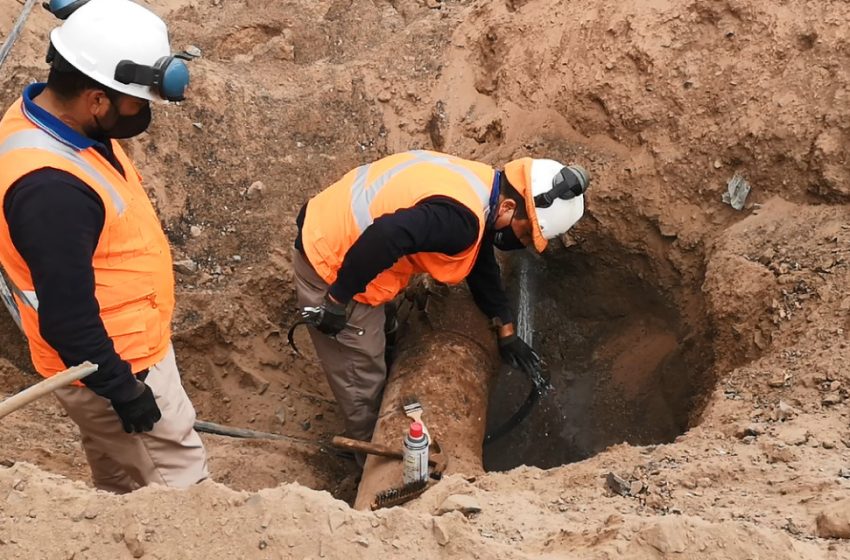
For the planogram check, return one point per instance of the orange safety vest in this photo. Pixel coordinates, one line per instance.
(337, 216)
(134, 282)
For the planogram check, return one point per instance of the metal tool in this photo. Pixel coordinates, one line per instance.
(413, 410)
(311, 317)
(437, 459)
(392, 497)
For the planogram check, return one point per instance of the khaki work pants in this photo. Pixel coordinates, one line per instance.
(171, 454)
(354, 365)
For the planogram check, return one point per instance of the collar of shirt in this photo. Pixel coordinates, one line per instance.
(52, 124)
(494, 197)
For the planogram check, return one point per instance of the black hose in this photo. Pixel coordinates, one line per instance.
(539, 387)
(16, 30)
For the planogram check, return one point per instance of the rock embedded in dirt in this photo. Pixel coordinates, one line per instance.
(617, 485)
(785, 411)
(441, 532)
(667, 536)
(255, 191)
(834, 521)
(186, 266)
(832, 399)
(463, 503)
(749, 430)
(195, 231)
(793, 435)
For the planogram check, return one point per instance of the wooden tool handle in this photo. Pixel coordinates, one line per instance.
(45, 387)
(365, 447)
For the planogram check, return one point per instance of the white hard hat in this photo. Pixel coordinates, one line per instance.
(555, 202)
(100, 35)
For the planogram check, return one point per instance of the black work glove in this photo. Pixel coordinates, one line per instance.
(333, 318)
(516, 353)
(138, 414)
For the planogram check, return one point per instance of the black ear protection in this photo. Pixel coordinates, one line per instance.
(63, 8)
(568, 183)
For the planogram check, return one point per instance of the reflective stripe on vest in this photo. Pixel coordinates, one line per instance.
(362, 194)
(39, 140)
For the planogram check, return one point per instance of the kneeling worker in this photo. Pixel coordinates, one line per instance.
(361, 240)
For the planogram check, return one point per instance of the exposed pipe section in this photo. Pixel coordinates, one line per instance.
(447, 360)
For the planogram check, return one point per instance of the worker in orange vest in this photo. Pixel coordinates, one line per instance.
(361, 240)
(86, 261)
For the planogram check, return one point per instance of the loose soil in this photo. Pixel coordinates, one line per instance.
(713, 342)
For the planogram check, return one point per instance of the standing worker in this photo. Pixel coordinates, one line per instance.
(362, 239)
(83, 249)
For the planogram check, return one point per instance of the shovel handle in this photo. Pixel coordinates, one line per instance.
(45, 387)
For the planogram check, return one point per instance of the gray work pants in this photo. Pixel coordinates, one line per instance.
(354, 365)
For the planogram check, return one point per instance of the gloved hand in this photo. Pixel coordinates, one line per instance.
(516, 353)
(334, 316)
(140, 413)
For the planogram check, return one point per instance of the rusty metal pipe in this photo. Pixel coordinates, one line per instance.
(447, 359)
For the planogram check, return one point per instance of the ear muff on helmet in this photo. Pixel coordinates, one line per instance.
(569, 182)
(168, 77)
(63, 8)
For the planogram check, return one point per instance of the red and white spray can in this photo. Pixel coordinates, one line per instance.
(415, 460)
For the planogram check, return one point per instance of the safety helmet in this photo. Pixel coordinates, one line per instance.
(120, 45)
(553, 195)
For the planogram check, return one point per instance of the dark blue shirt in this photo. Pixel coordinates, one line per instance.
(55, 221)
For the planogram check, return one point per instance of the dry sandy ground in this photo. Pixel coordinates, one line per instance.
(663, 101)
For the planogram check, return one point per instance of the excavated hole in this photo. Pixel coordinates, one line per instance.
(629, 361)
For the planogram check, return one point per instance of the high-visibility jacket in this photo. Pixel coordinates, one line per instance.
(134, 282)
(337, 216)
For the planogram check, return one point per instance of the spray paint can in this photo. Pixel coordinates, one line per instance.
(415, 453)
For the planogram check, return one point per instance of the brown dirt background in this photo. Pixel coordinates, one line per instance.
(662, 100)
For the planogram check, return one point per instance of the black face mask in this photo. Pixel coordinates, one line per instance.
(124, 127)
(504, 239)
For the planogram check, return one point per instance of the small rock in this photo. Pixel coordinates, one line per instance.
(828, 444)
(195, 231)
(844, 473)
(305, 425)
(185, 266)
(441, 533)
(718, 164)
(617, 485)
(280, 415)
(198, 125)
(255, 191)
(834, 521)
(90, 514)
(463, 503)
(792, 435)
(785, 411)
(336, 519)
(193, 51)
(668, 536)
(636, 487)
(236, 258)
(362, 541)
(262, 545)
(832, 399)
(749, 430)
(134, 545)
(384, 95)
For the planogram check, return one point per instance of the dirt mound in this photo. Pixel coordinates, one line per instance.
(663, 102)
